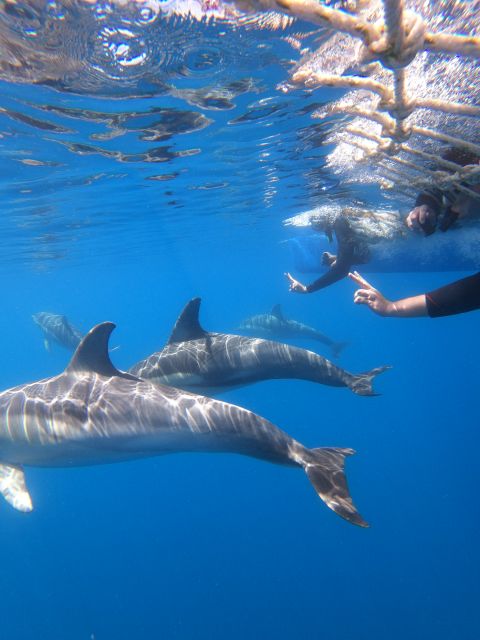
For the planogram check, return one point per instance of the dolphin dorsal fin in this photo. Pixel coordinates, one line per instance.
(92, 352)
(277, 311)
(187, 326)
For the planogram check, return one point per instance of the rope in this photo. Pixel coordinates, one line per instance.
(401, 37)
(311, 79)
(338, 20)
(391, 38)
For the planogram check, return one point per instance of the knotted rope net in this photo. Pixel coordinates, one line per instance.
(413, 80)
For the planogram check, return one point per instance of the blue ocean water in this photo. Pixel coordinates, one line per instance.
(195, 546)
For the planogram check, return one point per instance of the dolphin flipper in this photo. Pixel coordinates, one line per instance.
(46, 344)
(13, 487)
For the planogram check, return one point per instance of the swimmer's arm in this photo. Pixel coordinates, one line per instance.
(295, 285)
(333, 275)
(348, 250)
(457, 297)
(413, 307)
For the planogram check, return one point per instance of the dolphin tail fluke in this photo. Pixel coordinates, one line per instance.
(325, 470)
(361, 383)
(337, 348)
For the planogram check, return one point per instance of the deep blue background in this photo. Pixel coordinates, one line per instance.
(214, 546)
(197, 547)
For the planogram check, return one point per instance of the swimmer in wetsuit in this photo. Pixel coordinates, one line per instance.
(351, 250)
(458, 297)
(434, 209)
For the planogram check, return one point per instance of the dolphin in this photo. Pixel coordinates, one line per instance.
(57, 328)
(92, 413)
(204, 362)
(276, 325)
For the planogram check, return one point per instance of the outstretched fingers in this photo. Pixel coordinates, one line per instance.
(295, 285)
(356, 277)
(364, 296)
(291, 281)
(367, 294)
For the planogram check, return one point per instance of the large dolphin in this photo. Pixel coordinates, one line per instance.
(197, 360)
(92, 414)
(57, 328)
(276, 325)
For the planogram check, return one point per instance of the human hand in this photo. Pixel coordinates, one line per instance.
(329, 259)
(371, 297)
(295, 285)
(422, 218)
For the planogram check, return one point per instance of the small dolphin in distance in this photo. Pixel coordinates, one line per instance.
(58, 329)
(275, 325)
(209, 363)
(93, 413)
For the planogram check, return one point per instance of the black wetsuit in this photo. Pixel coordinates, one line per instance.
(351, 250)
(457, 297)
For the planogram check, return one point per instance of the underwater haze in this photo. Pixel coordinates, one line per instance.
(146, 163)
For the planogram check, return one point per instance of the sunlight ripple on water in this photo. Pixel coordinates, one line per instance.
(147, 110)
(169, 112)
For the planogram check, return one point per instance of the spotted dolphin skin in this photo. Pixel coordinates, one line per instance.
(204, 362)
(275, 325)
(93, 414)
(58, 329)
